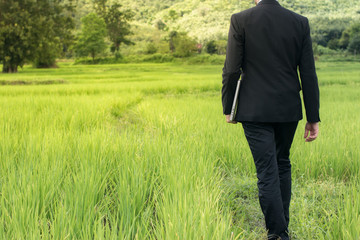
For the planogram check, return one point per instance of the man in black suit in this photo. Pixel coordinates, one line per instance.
(267, 45)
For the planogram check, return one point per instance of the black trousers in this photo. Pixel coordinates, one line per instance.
(270, 145)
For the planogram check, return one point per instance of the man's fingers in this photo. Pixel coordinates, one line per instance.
(311, 131)
(233, 122)
(306, 133)
(312, 137)
(228, 120)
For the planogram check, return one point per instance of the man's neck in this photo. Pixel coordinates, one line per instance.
(260, 1)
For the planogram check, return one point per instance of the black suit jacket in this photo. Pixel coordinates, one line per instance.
(267, 44)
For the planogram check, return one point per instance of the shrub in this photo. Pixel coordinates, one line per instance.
(151, 48)
(325, 51)
(184, 46)
(158, 58)
(333, 44)
(206, 59)
(354, 45)
(211, 47)
(221, 46)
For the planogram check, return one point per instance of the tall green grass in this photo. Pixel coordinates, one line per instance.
(142, 151)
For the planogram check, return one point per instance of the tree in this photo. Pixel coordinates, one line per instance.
(324, 30)
(172, 36)
(173, 15)
(160, 25)
(17, 34)
(333, 44)
(345, 39)
(354, 45)
(117, 23)
(57, 35)
(348, 34)
(182, 45)
(27, 27)
(91, 40)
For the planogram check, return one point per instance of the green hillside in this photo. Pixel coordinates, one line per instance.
(206, 20)
(209, 19)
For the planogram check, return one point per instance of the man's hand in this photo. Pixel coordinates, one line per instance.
(313, 128)
(228, 120)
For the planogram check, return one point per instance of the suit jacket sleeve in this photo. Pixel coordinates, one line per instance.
(233, 63)
(309, 79)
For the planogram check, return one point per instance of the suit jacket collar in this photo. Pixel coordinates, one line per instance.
(273, 2)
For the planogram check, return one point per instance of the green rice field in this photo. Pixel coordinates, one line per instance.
(142, 151)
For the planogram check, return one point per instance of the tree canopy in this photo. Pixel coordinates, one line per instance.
(92, 37)
(117, 23)
(39, 31)
(32, 31)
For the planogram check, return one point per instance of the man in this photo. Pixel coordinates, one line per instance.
(267, 45)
